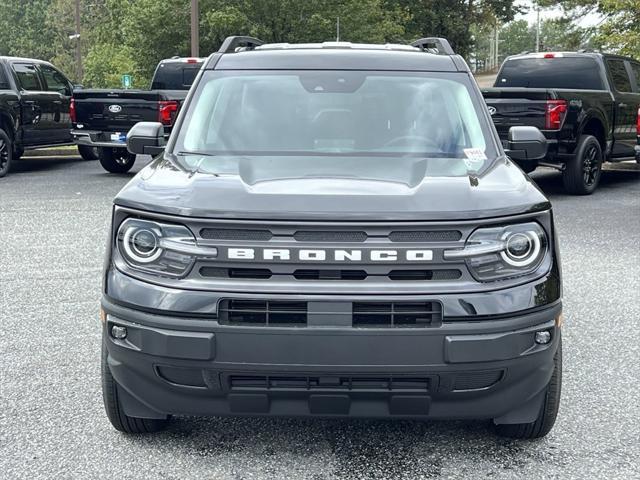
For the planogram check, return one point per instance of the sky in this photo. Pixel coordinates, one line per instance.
(587, 21)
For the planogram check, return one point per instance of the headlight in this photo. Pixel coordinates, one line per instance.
(503, 252)
(159, 248)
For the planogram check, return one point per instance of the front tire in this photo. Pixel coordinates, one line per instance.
(117, 417)
(582, 173)
(6, 153)
(548, 413)
(87, 152)
(116, 160)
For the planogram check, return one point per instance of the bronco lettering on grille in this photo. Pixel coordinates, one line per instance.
(331, 255)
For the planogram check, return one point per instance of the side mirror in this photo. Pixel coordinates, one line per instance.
(146, 138)
(526, 143)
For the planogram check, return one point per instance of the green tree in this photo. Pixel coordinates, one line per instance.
(516, 37)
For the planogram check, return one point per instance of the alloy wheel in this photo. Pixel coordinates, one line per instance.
(590, 166)
(4, 155)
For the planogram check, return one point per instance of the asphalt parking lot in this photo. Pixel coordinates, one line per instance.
(53, 225)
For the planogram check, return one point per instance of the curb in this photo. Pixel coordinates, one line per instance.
(51, 152)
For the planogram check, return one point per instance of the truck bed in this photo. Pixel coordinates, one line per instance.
(119, 110)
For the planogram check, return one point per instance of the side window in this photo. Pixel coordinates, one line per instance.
(635, 67)
(55, 81)
(4, 82)
(27, 76)
(619, 75)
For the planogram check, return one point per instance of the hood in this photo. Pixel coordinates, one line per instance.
(501, 190)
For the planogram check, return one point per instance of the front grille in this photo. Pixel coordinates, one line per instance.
(362, 257)
(396, 314)
(351, 383)
(284, 313)
(266, 313)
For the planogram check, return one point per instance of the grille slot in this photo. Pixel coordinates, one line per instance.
(387, 383)
(396, 314)
(476, 380)
(425, 236)
(263, 312)
(449, 274)
(330, 274)
(235, 234)
(330, 236)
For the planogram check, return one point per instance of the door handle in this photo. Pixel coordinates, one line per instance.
(58, 102)
(30, 102)
(622, 105)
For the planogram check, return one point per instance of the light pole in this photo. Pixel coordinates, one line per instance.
(195, 30)
(77, 38)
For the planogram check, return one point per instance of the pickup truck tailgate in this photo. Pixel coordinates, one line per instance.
(115, 110)
(516, 106)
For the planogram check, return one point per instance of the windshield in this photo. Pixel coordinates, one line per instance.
(571, 73)
(380, 125)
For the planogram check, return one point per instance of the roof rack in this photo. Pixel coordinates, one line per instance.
(437, 45)
(231, 44)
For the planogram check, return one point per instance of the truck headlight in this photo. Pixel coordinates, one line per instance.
(159, 248)
(498, 253)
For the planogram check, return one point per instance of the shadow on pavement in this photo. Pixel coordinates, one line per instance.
(39, 164)
(550, 181)
(358, 448)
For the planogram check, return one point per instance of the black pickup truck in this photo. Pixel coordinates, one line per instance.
(102, 117)
(34, 109)
(587, 105)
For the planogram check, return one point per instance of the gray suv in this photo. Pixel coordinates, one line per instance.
(333, 230)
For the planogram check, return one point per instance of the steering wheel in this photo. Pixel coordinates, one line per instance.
(412, 138)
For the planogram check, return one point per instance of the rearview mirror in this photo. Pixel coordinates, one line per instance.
(526, 143)
(146, 138)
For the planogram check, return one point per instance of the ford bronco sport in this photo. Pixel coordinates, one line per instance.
(333, 230)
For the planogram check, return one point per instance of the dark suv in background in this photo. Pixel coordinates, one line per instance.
(333, 230)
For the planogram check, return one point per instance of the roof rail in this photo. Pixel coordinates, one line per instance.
(436, 45)
(231, 44)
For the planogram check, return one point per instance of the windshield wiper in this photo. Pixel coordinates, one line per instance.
(196, 153)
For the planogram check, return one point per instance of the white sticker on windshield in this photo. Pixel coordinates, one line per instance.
(475, 157)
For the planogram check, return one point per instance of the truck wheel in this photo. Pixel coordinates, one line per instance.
(548, 412)
(116, 160)
(6, 153)
(116, 415)
(87, 152)
(582, 173)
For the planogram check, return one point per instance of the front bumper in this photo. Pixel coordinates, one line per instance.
(483, 368)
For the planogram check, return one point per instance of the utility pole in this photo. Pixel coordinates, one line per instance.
(338, 29)
(497, 49)
(195, 29)
(79, 72)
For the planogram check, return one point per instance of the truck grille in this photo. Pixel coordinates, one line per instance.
(284, 313)
(353, 383)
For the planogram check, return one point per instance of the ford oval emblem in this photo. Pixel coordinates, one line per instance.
(115, 108)
(492, 110)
